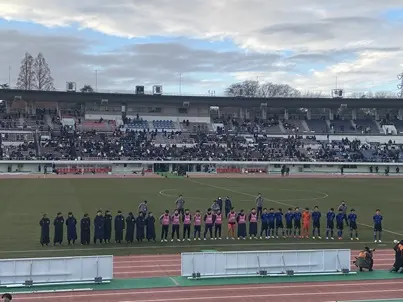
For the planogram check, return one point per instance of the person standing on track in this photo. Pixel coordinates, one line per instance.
(130, 225)
(180, 204)
(150, 227)
(259, 204)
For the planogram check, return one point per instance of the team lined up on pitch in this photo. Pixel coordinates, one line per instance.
(183, 225)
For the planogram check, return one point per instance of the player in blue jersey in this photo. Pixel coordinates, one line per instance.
(265, 224)
(377, 218)
(289, 216)
(330, 216)
(316, 215)
(279, 223)
(271, 218)
(340, 217)
(297, 222)
(352, 222)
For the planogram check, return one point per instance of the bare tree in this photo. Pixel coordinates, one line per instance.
(278, 90)
(384, 95)
(254, 89)
(87, 88)
(43, 78)
(26, 78)
(4, 86)
(245, 89)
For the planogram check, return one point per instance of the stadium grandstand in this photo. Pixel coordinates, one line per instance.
(39, 125)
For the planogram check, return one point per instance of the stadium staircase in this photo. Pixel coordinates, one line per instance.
(304, 125)
(281, 126)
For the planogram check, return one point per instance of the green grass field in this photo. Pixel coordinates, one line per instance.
(24, 201)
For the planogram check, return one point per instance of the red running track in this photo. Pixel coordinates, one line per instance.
(170, 265)
(305, 292)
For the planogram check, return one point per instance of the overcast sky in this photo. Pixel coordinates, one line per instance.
(306, 44)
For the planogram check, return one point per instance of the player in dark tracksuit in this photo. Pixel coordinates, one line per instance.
(150, 227)
(45, 230)
(297, 223)
(219, 202)
(108, 226)
(265, 224)
(377, 219)
(279, 223)
(289, 216)
(85, 228)
(130, 226)
(352, 222)
(140, 225)
(119, 227)
(58, 224)
(330, 216)
(316, 215)
(99, 227)
(340, 224)
(71, 223)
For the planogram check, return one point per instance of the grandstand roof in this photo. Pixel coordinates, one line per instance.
(62, 96)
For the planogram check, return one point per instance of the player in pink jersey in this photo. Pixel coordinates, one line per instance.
(217, 225)
(241, 219)
(253, 219)
(208, 223)
(197, 225)
(187, 222)
(231, 224)
(165, 221)
(176, 221)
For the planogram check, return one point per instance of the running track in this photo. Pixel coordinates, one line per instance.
(169, 265)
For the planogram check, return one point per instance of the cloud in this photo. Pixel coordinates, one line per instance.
(354, 40)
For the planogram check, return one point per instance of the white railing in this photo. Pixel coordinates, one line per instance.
(35, 271)
(251, 263)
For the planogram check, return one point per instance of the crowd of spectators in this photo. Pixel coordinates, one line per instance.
(70, 144)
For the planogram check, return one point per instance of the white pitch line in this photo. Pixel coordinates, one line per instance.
(275, 201)
(174, 281)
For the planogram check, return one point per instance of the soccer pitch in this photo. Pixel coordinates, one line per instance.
(25, 200)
